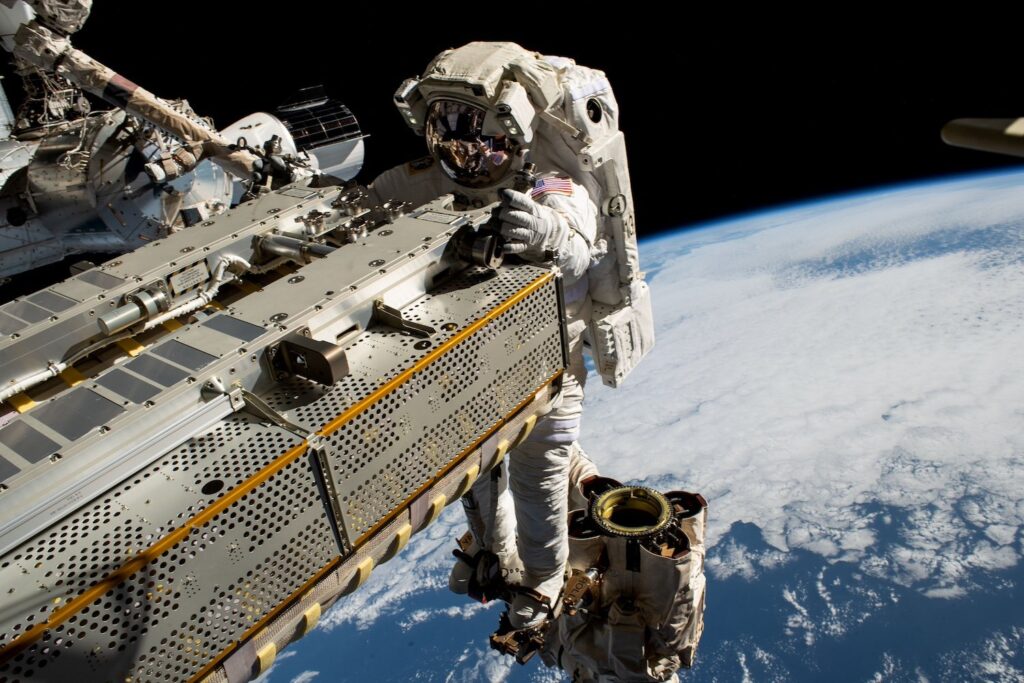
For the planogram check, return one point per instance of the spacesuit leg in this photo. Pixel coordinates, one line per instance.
(495, 530)
(539, 478)
(492, 529)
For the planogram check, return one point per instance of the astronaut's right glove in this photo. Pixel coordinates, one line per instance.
(531, 230)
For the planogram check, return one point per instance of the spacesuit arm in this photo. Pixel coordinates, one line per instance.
(579, 214)
(386, 185)
(560, 225)
(417, 182)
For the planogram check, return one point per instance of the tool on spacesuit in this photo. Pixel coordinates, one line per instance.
(582, 588)
(525, 177)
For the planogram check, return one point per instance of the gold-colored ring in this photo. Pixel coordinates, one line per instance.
(631, 511)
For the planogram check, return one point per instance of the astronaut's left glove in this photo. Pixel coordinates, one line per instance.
(533, 231)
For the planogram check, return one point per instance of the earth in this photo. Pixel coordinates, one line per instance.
(844, 381)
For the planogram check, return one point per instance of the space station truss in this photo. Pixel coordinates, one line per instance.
(182, 505)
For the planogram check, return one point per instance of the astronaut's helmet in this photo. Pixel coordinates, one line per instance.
(454, 132)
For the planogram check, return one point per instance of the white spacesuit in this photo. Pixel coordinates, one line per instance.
(557, 216)
(485, 110)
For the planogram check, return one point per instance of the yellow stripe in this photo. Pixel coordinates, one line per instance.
(215, 662)
(266, 656)
(171, 325)
(131, 347)
(72, 377)
(138, 562)
(21, 402)
(310, 618)
(468, 479)
(363, 571)
(436, 505)
(337, 422)
(215, 304)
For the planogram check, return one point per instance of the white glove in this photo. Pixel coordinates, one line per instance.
(530, 229)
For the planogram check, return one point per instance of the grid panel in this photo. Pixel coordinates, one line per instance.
(269, 538)
(387, 453)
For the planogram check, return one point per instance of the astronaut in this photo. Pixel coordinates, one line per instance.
(485, 110)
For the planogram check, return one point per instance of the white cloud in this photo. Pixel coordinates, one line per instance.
(734, 559)
(870, 418)
(547, 676)
(477, 664)
(792, 398)
(995, 659)
(461, 611)
(305, 677)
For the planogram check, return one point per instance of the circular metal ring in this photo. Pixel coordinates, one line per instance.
(631, 511)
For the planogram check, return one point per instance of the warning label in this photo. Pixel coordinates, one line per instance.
(189, 278)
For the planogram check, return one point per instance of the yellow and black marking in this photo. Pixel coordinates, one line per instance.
(189, 278)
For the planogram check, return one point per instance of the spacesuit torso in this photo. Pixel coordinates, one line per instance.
(422, 180)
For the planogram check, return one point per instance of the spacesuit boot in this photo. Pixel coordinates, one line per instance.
(529, 609)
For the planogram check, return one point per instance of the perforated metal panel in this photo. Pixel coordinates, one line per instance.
(407, 436)
(268, 545)
(166, 573)
(187, 603)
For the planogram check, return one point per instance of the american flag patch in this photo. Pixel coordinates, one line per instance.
(551, 186)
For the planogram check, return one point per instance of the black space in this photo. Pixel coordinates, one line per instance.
(718, 120)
